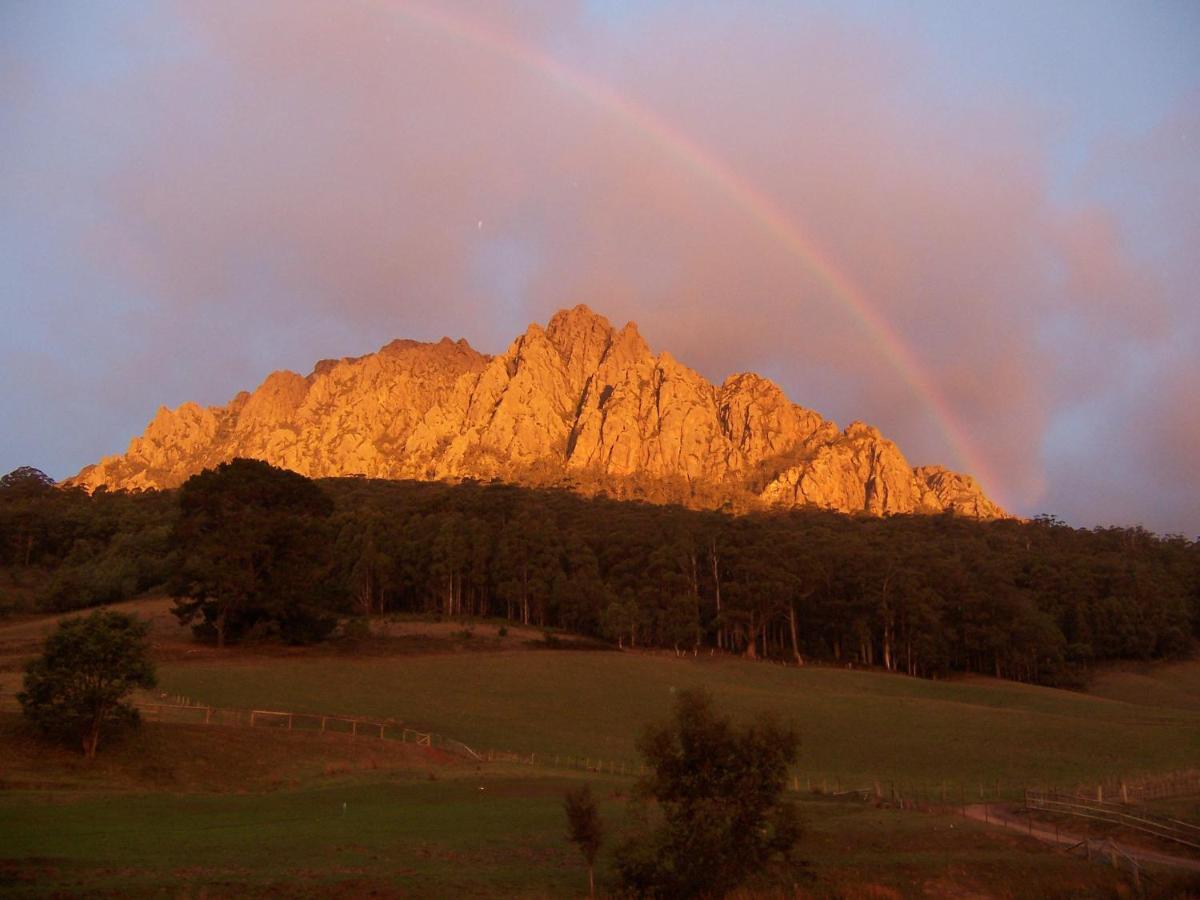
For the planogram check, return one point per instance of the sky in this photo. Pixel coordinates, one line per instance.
(973, 225)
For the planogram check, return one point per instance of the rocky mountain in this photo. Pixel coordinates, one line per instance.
(578, 403)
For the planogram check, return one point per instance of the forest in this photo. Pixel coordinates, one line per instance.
(254, 552)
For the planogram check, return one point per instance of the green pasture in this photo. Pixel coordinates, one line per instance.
(465, 834)
(438, 838)
(856, 727)
(1172, 685)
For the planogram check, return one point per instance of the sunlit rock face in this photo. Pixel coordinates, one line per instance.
(578, 403)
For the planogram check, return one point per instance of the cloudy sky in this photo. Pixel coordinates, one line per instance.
(974, 225)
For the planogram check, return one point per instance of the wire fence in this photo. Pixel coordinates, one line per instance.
(1108, 851)
(1163, 827)
(1147, 788)
(310, 723)
(1116, 801)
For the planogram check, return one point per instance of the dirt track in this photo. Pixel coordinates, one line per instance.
(1002, 817)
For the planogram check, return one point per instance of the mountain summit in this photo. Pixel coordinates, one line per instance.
(577, 403)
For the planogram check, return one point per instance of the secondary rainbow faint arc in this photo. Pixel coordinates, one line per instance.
(757, 205)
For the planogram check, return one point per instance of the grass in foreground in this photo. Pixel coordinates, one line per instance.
(226, 811)
(232, 811)
(463, 832)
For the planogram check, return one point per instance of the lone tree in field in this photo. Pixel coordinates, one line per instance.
(254, 546)
(584, 829)
(76, 688)
(721, 817)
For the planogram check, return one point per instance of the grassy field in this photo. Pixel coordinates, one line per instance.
(449, 838)
(1170, 685)
(437, 838)
(856, 726)
(268, 814)
(226, 811)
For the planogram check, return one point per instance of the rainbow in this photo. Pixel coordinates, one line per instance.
(758, 206)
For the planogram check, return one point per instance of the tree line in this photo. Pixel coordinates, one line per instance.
(254, 550)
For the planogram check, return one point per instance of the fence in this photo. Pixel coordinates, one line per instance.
(1140, 789)
(902, 794)
(905, 793)
(1107, 851)
(1127, 792)
(597, 764)
(1163, 827)
(312, 723)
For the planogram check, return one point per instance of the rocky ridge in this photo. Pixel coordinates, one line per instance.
(578, 402)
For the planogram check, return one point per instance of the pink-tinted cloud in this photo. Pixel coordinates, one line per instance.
(1109, 286)
(322, 183)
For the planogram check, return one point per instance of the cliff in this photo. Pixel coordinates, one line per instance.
(578, 403)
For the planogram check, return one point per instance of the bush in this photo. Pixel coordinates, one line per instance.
(356, 629)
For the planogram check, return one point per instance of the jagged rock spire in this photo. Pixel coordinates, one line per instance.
(578, 401)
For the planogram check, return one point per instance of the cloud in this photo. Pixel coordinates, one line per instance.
(276, 184)
(1128, 446)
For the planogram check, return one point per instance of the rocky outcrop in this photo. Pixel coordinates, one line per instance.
(577, 402)
(942, 489)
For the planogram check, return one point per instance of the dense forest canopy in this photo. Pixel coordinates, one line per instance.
(926, 595)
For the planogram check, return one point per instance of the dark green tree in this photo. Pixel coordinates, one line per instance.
(721, 815)
(254, 545)
(27, 494)
(77, 687)
(584, 828)
(26, 479)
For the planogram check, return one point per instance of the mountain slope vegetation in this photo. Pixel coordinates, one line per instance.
(926, 595)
